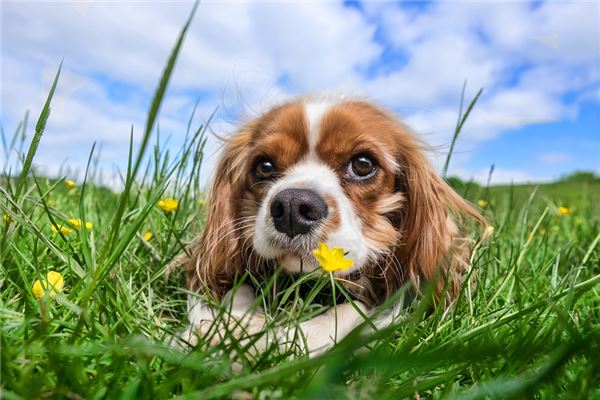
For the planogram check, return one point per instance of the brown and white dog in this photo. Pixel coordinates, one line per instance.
(337, 171)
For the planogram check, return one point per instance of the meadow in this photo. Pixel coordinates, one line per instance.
(527, 327)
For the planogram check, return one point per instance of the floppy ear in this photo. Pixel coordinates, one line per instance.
(432, 221)
(215, 258)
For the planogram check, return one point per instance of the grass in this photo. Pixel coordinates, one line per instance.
(528, 328)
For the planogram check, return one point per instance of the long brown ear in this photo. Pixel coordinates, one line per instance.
(215, 258)
(433, 220)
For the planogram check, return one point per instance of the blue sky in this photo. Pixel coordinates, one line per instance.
(539, 64)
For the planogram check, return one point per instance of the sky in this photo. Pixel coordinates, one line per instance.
(537, 62)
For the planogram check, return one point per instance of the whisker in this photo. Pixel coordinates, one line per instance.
(348, 282)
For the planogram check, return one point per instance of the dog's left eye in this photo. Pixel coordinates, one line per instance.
(361, 167)
(264, 169)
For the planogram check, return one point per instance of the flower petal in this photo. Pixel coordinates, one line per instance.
(331, 259)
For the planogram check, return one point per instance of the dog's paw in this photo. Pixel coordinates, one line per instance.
(185, 340)
(231, 328)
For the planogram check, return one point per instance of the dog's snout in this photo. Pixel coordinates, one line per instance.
(297, 211)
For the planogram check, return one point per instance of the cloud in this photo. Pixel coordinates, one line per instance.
(553, 158)
(499, 176)
(537, 62)
(524, 82)
(548, 40)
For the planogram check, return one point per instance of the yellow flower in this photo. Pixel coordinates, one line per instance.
(168, 204)
(6, 218)
(201, 203)
(483, 203)
(62, 229)
(331, 259)
(147, 236)
(76, 223)
(52, 285)
(69, 184)
(564, 211)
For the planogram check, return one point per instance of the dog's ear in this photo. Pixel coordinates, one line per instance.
(215, 257)
(434, 244)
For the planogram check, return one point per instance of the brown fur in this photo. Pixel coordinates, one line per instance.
(409, 214)
(418, 212)
(224, 249)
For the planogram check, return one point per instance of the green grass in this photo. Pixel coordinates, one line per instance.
(528, 328)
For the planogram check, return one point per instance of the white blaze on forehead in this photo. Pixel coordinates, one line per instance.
(310, 174)
(315, 111)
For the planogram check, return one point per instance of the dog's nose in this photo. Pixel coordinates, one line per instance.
(297, 211)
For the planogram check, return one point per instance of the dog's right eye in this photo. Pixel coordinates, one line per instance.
(264, 169)
(360, 168)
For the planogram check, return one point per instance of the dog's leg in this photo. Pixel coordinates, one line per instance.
(320, 333)
(241, 321)
(241, 318)
(237, 317)
(198, 311)
(312, 337)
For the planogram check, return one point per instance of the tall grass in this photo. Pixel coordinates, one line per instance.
(528, 327)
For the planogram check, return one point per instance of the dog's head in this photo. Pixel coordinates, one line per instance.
(345, 173)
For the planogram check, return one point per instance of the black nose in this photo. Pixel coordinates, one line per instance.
(297, 211)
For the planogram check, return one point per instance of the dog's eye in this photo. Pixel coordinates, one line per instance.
(361, 167)
(264, 169)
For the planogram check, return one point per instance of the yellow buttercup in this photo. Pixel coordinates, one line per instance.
(331, 259)
(51, 286)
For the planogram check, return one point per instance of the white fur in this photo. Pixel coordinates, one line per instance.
(322, 180)
(296, 255)
(243, 322)
(315, 111)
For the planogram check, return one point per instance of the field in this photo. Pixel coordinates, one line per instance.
(528, 328)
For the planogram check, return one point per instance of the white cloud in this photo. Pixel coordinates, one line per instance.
(484, 43)
(499, 176)
(243, 57)
(555, 158)
(495, 46)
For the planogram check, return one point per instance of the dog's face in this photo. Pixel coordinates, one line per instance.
(344, 173)
(319, 172)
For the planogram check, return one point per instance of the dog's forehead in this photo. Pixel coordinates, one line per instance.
(282, 134)
(328, 130)
(354, 127)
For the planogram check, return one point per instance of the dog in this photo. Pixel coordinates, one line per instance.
(338, 171)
